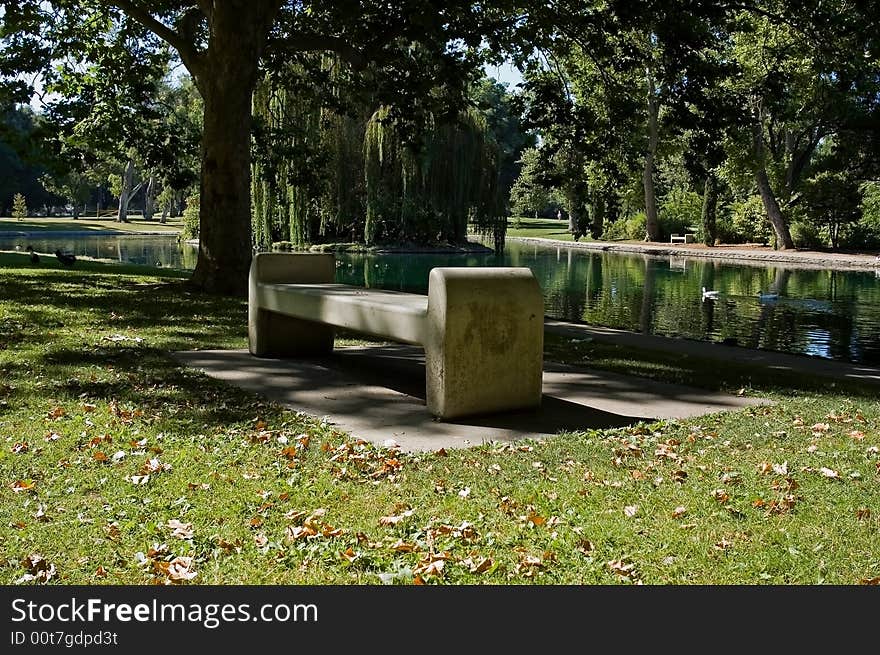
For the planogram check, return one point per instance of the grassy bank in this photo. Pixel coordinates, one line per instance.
(118, 466)
(540, 228)
(68, 224)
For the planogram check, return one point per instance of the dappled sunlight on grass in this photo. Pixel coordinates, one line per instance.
(116, 462)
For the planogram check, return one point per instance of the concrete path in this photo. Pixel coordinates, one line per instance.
(812, 366)
(377, 393)
(758, 256)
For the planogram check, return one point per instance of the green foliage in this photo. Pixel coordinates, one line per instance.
(806, 235)
(191, 218)
(748, 220)
(870, 192)
(529, 196)
(629, 228)
(832, 204)
(432, 191)
(680, 211)
(19, 207)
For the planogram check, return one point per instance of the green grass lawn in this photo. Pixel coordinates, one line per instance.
(118, 466)
(542, 228)
(68, 224)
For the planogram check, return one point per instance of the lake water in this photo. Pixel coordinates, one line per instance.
(824, 313)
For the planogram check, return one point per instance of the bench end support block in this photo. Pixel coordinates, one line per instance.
(272, 334)
(485, 341)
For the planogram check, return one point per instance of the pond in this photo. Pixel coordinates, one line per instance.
(824, 313)
(135, 249)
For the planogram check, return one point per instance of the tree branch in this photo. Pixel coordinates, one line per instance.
(315, 43)
(187, 51)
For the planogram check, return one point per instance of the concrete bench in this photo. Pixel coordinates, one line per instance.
(681, 238)
(482, 328)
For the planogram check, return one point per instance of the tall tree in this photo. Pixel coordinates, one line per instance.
(224, 44)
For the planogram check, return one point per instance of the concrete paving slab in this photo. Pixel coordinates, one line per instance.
(377, 393)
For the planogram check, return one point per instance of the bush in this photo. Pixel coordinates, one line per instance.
(628, 228)
(680, 211)
(807, 236)
(749, 221)
(191, 218)
(864, 235)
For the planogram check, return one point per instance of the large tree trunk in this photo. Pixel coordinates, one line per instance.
(710, 205)
(224, 199)
(774, 213)
(768, 197)
(124, 194)
(238, 35)
(652, 221)
(150, 198)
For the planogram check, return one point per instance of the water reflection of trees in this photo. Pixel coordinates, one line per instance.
(831, 313)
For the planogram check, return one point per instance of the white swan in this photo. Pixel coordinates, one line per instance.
(709, 295)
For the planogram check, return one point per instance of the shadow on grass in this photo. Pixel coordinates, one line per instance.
(116, 302)
(59, 325)
(151, 382)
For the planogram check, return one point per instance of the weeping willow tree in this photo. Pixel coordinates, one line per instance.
(432, 191)
(307, 177)
(323, 175)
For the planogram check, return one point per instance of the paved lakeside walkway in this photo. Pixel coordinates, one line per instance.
(738, 254)
(768, 359)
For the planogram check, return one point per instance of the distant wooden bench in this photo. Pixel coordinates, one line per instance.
(482, 328)
(682, 238)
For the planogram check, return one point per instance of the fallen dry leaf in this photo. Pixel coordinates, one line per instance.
(829, 473)
(585, 546)
(631, 510)
(19, 447)
(621, 568)
(294, 532)
(22, 485)
(56, 413)
(678, 512)
(38, 569)
(180, 530)
(781, 469)
(535, 520)
(400, 546)
(180, 570)
(482, 565)
(720, 495)
(394, 520)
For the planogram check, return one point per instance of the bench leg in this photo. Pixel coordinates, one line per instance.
(271, 334)
(484, 349)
